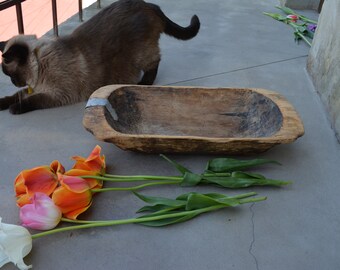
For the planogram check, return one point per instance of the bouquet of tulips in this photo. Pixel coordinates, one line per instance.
(48, 195)
(304, 28)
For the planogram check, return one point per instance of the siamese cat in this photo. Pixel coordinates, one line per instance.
(119, 45)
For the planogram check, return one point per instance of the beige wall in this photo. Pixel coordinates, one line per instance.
(324, 60)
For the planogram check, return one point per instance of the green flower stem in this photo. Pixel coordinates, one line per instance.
(77, 221)
(138, 220)
(304, 38)
(307, 20)
(132, 178)
(125, 221)
(135, 187)
(299, 33)
(152, 177)
(136, 178)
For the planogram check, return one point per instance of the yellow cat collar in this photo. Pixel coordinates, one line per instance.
(29, 90)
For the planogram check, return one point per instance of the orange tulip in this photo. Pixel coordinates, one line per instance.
(39, 179)
(73, 197)
(93, 183)
(19, 185)
(94, 162)
(57, 167)
(23, 200)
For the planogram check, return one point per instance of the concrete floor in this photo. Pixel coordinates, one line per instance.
(296, 228)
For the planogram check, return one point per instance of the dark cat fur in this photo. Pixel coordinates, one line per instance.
(113, 47)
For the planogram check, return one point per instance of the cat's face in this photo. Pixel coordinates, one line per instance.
(15, 58)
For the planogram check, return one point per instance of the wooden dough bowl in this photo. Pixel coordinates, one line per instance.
(171, 119)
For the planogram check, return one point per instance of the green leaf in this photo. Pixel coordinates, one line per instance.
(153, 208)
(178, 166)
(167, 221)
(217, 196)
(185, 196)
(302, 29)
(247, 175)
(276, 16)
(309, 34)
(299, 36)
(199, 201)
(243, 182)
(219, 165)
(159, 200)
(191, 179)
(230, 182)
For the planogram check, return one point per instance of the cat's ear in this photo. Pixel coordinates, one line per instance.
(17, 52)
(2, 45)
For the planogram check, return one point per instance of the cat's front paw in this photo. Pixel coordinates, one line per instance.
(4, 103)
(16, 108)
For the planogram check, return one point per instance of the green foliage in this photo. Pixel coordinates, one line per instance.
(289, 11)
(301, 30)
(164, 211)
(219, 165)
(191, 179)
(224, 172)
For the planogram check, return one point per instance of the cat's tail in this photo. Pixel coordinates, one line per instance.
(177, 31)
(184, 33)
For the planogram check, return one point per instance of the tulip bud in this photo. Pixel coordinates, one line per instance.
(293, 17)
(41, 214)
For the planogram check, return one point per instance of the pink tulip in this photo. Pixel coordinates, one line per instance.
(41, 214)
(293, 17)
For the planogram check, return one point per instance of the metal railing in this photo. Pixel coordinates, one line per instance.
(55, 15)
(17, 3)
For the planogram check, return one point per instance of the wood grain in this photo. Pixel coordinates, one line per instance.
(163, 119)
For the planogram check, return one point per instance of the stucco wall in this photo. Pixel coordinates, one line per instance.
(323, 62)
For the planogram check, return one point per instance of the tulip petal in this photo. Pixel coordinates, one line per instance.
(19, 185)
(40, 179)
(56, 167)
(15, 244)
(94, 162)
(73, 183)
(74, 214)
(69, 201)
(93, 183)
(81, 163)
(23, 199)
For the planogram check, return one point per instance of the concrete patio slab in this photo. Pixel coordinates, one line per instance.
(296, 228)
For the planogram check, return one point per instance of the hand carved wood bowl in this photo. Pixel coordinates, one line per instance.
(170, 119)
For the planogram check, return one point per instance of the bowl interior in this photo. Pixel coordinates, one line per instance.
(218, 113)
